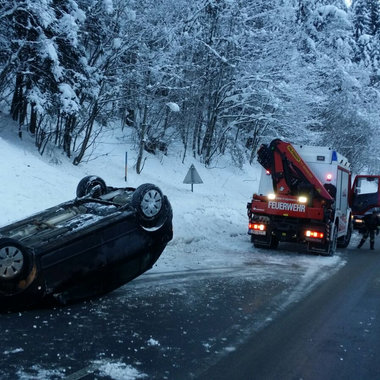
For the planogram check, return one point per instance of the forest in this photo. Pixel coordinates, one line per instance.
(217, 77)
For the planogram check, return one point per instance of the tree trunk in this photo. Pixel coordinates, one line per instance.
(17, 97)
(143, 127)
(197, 136)
(67, 134)
(22, 116)
(208, 139)
(87, 136)
(255, 143)
(58, 129)
(33, 120)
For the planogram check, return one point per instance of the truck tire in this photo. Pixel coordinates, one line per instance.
(344, 241)
(151, 205)
(332, 244)
(258, 244)
(14, 261)
(91, 186)
(271, 244)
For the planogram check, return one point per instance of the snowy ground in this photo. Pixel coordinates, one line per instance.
(207, 222)
(210, 224)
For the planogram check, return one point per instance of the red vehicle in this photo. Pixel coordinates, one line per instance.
(365, 197)
(303, 197)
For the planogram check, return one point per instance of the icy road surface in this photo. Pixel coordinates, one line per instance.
(164, 325)
(332, 333)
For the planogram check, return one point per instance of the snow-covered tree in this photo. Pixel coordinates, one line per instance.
(221, 76)
(46, 65)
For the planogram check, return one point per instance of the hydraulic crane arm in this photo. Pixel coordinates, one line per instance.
(290, 174)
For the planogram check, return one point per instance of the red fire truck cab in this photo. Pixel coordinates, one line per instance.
(303, 197)
(365, 197)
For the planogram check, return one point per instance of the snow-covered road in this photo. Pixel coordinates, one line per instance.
(164, 325)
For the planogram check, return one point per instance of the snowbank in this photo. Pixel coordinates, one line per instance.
(210, 223)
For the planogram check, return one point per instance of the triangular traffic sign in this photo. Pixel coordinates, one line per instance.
(192, 177)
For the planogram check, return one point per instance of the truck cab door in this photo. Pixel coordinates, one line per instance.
(365, 194)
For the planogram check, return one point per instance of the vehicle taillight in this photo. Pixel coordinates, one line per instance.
(314, 234)
(256, 226)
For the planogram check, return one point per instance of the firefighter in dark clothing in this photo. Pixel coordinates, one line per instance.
(371, 222)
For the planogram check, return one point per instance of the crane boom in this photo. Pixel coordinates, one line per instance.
(290, 173)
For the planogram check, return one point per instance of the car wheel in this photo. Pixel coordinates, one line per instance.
(14, 260)
(91, 186)
(151, 206)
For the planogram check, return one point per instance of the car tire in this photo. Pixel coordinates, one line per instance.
(151, 206)
(91, 186)
(14, 261)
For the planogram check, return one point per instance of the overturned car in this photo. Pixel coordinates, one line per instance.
(86, 247)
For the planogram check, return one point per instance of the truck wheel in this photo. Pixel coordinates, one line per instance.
(331, 246)
(91, 186)
(152, 207)
(344, 241)
(274, 242)
(258, 244)
(14, 260)
(271, 244)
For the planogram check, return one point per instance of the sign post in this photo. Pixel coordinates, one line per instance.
(126, 167)
(192, 177)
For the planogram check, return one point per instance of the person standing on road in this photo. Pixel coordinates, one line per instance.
(371, 223)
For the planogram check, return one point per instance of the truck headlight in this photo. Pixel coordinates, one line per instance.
(302, 199)
(271, 196)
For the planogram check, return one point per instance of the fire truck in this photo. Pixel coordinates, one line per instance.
(303, 197)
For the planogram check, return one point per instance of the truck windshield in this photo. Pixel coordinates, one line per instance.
(366, 194)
